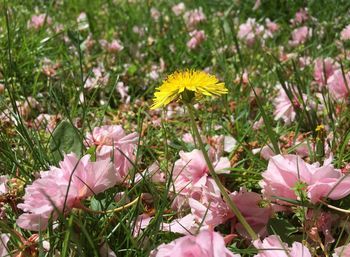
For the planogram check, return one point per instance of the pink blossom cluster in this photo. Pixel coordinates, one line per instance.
(205, 244)
(301, 16)
(345, 33)
(98, 78)
(197, 37)
(179, 8)
(193, 18)
(250, 31)
(300, 35)
(273, 246)
(329, 74)
(112, 143)
(62, 188)
(38, 21)
(115, 46)
(287, 174)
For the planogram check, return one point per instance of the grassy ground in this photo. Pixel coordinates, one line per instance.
(146, 58)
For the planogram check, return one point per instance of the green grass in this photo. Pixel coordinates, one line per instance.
(24, 151)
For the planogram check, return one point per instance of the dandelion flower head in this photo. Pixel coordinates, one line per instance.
(180, 82)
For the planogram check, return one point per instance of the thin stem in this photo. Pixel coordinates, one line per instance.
(335, 208)
(225, 195)
(84, 208)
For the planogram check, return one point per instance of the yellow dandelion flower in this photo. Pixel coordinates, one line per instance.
(180, 82)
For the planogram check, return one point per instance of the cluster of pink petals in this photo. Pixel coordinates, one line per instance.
(113, 143)
(207, 206)
(300, 17)
(271, 28)
(155, 14)
(61, 189)
(345, 33)
(37, 21)
(98, 78)
(323, 70)
(249, 204)
(123, 91)
(193, 18)
(178, 9)
(272, 246)
(284, 173)
(191, 171)
(250, 31)
(195, 188)
(300, 35)
(342, 251)
(197, 37)
(205, 244)
(3, 184)
(339, 87)
(46, 121)
(112, 47)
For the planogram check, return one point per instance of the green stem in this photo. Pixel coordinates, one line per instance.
(225, 195)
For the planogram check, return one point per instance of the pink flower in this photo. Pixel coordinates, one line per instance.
(193, 18)
(191, 170)
(205, 244)
(38, 21)
(300, 17)
(265, 152)
(284, 107)
(3, 185)
(141, 223)
(186, 225)
(249, 204)
(337, 86)
(271, 26)
(113, 142)
(112, 47)
(300, 35)
(61, 189)
(98, 78)
(155, 14)
(46, 121)
(342, 251)
(197, 37)
(123, 90)
(115, 46)
(4, 238)
(178, 8)
(324, 68)
(284, 173)
(276, 248)
(207, 205)
(345, 33)
(250, 31)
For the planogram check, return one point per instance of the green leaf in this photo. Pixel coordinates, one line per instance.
(283, 228)
(65, 139)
